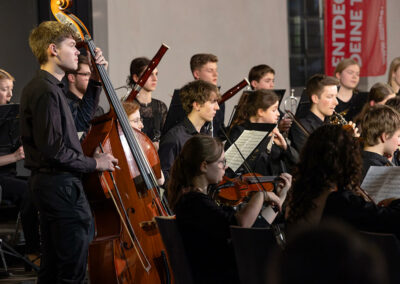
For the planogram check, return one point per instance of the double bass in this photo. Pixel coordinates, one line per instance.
(127, 247)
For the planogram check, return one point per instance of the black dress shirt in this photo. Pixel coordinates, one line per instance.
(83, 110)
(310, 122)
(353, 107)
(372, 159)
(172, 143)
(153, 115)
(204, 227)
(354, 210)
(48, 131)
(176, 114)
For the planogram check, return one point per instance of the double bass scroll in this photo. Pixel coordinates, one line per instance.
(123, 250)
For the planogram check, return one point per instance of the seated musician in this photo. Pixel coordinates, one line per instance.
(350, 101)
(395, 103)
(394, 75)
(381, 136)
(203, 67)
(15, 189)
(84, 94)
(203, 224)
(132, 110)
(152, 111)
(322, 92)
(200, 102)
(262, 77)
(262, 107)
(327, 185)
(379, 94)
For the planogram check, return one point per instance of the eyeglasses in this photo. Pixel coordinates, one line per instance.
(136, 120)
(87, 74)
(222, 163)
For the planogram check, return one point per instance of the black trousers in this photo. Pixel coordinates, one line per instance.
(65, 220)
(16, 190)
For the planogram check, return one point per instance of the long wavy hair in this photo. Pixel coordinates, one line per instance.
(186, 166)
(330, 158)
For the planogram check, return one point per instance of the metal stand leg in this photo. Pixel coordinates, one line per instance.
(3, 259)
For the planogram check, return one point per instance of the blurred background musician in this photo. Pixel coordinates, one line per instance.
(152, 111)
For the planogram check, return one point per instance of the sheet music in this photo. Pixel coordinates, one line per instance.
(247, 142)
(382, 182)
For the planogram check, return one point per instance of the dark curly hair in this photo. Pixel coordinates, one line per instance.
(331, 157)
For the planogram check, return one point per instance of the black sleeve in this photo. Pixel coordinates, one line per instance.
(168, 151)
(297, 137)
(49, 137)
(364, 215)
(87, 106)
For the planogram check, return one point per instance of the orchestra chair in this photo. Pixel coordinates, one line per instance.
(252, 247)
(175, 249)
(389, 245)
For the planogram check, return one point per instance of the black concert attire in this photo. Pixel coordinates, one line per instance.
(349, 110)
(172, 143)
(204, 227)
(14, 189)
(153, 115)
(176, 115)
(372, 159)
(366, 216)
(310, 122)
(262, 162)
(55, 156)
(83, 110)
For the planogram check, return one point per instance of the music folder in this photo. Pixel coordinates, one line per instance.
(9, 128)
(248, 142)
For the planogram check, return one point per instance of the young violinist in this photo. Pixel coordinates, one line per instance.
(13, 188)
(200, 102)
(152, 111)
(322, 92)
(261, 106)
(262, 77)
(203, 224)
(350, 101)
(381, 136)
(55, 157)
(203, 67)
(327, 185)
(394, 75)
(132, 110)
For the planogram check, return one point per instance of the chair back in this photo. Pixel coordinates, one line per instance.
(175, 249)
(252, 247)
(389, 245)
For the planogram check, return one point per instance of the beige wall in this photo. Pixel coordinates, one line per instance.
(393, 39)
(241, 33)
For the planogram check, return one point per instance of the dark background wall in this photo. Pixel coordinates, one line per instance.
(18, 19)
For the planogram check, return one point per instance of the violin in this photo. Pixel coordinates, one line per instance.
(234, 191)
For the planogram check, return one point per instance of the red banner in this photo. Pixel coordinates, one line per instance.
(356, 29)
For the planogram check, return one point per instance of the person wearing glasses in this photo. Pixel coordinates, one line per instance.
(84, 94)
(132, 110)
(203, 225)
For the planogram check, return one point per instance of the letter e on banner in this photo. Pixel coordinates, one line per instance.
(356, 29)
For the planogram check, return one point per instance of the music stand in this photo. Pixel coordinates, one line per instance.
(9, 128)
